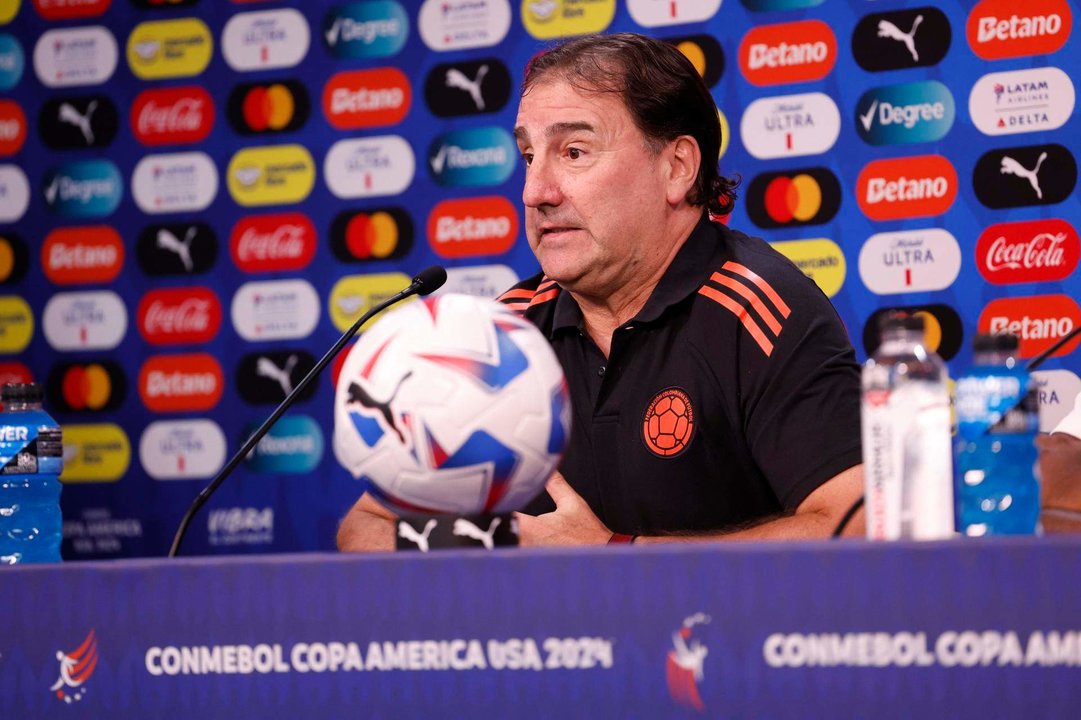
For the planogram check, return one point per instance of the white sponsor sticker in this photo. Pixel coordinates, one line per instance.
(790, 125)
(1021, 101)
(75, 56)
(266, 39)
(656, 13)
(462, 24)
(14, 193)
(182, 449)
(369, 167)
(275, 310)
(85, 320)
(1058, 389)
(174, 182)
(488, 281)
(910, 261)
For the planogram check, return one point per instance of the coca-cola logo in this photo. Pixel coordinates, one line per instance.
(267, 243)
(172, 116)
(1023, 252)
(178, 316)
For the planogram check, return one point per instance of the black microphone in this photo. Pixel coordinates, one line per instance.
(425, 282)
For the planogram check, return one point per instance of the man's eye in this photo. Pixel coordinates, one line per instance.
(574, 153)
(528, 157)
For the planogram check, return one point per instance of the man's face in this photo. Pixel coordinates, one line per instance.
(594, 193)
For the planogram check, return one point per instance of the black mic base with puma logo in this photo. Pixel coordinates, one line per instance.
(439, 532)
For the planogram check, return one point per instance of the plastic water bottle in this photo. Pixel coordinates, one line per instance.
(31, 455)
(907, 458)
(997, 492)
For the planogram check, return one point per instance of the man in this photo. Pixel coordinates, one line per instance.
(714, 390)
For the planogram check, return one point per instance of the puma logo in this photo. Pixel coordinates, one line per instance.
(406, 532)
(265, 367)
(69, 114)
(358, 394)
(1012, 167)
(457, 79)
(886, 29)
(465, 528)
(182, 248)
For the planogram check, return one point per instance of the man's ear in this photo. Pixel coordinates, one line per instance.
(683, 160)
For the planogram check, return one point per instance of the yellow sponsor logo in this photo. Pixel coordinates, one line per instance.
(546, 19)
(724, 133)
(274, 175)
(820, 259)
(95, 453)
(169, 48)
(354, 295)
(16, 324)
(8, 9)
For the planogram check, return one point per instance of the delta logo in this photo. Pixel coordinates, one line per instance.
(70, 9)
(161, 49)
(353, 295)
(910, 261)
(16, 324)
(1030, 251)
(1024, 176)
(373, 29)
(272, 175)
(83, 189)
(96, 320)
(275, 310)
(182, 449)
(900, 39)
(174, 182)
(171, 249)
(942, 330)
(181, 383)
(704, 52)
(918, 186)
(82, 255)
(472, 227)
(76, 668)
(369, 167)
(73, 123)
(294, 445)
(179, 316)
(790, 125)
(12, 127)
(913, 112)
(1039, 321)
(172, 116)
(95, 453)
(999, 29)
(265, 108)
(267, 378)
(375, 234)
(787, 53)
(273, 243)
(75, 56)
(367, 98)
(86, 387)
(473, 157)
(820, 259)
(11, 61)
(793, 198)
(15, 190)
(650, 13)
(471, 87)
(14, 258)
(1021, 101)
(462, 24)
(265, 40)
(549, 19)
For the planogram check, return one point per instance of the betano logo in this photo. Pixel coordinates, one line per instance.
(273, 243)
(265, 40)
(1021, 101)
(913, 112)
(86, 387)
(83, 188)
(807, 196)
(95, 453)
(787, 53)
(1029, 251)
(369, 167)
(182, 449)
(11, 61)
(1039, 321)
(820, 259)
(293, 445)
(472, 226)
(705, 53)
(374, 234)
(96, 320)
(161, 49)
(463, 24)
(172, 116)
(174, 182)
(999, 29)
(181, 383)
(473, 157)
(372, 29)
(272, 175)
(548, 19)
(899, 39)
(918, 186)
(790, 125)
(69, 9)
(367, 98)
(82, 255)
(16, 324)
(15, 190)
(281, 106)
(12, 127)
(75, 56)
(275, 310)
(942, 330)
(651, 13)
(352, 295)
(910, 261)
(179, 316)
(14, 258)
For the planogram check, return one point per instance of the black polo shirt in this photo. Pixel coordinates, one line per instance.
(729, 397)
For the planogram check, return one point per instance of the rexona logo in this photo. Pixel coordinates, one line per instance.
(472, 227)
(650, 13)
(910, 261)
(367, 98)
(266, 378)
(82, 255)
(820, 259)
(179, 316)
(942, 330)
(85, 320)
(369, 167)
(293, 445)
(900, 39)
(1000, 29)
(918, 186)
(375, 234)
(70, 9)
(469, 87)
(265, 108)
(1021, 176)
(1021, 101)
(463, 24)
(473, 157)
(182, 449)
(11, 61)
(175, 182)
(767, 5)
(84, 188)
(372, 29)
(176, 249)
(913, 112)
(12, 127)
(353, 295)
(162, 49)
(1031, 251)
(790, 125)
(14, 193)
(547, 19)
(272, 243)
(86, 387)
(78, 122)
(172, 116)
(95, 453)
(704, 52)
(275, 310)
(16, 324)
(181, 383)
(488, 281)
(75, 56)
(265, 40)
(14, 258)
(807, 196)
(787, 53)
(273, 175)
(1039, 321)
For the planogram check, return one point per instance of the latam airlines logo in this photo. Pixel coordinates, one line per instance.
(179, 316)
(181, 383)
(899, 39)
(78, 122)
(372, 29)
(1039, 321)
(910, 261)
(787, 53)
(293, 445)
(82, 255)
(471, 87)
(85, 320)
(182, 449)
(472, 227)
(807, 196)
(12, 127)
(918, 186)
(69, 9)
(172, 116)
(1021, 101)
(367, 98)
(264, 108)
(84, 188)
(375, 234)
(14, 193)
(473, 157)
(1021, 176)
(650, 13)
(547, 19)
(162, 49)
(174, 182)
(272, 175)
(790, 125)
(462, 24)
(75, 56)
(907, 113)
(369, 167)
(267, 378)
(176, 249)
(999, 29)
(11, 61)
(275, 310)
(1031, 251)
(269, 243)
(265, 40)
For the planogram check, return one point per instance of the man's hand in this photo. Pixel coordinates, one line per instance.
(571, 523)
(1060, 473)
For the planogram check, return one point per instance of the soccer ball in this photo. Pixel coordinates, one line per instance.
(454, 404)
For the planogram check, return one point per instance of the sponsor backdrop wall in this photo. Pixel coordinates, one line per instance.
(196, 198)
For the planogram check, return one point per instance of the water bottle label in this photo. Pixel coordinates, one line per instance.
(28, 449)
(995, 404)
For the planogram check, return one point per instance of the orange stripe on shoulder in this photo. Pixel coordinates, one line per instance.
(516, 294)
(543, 297)
(743, 271)
(744, 317)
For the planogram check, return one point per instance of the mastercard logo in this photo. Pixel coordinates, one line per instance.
(942, 330)
(808, 196)
(86, 387)
(12, 127)
(255, 108)
(14, 258)
(82, 255)
(705, 54)
(999, 29)
(377, 234)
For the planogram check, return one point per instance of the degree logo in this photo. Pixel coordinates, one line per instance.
(820, 259)
(1021, 101)
(14, 258)
(70, 9)
(808, 196)
(12, 61)
(75, 56)
(668, 425)
(181, 383)
(787, 53)
(900, 39)
(704, 52)
(15, 191)
(96, 453)
(174, 182)
(12, 127)
(790, 125)
(999, 29)
(548, 19)
(472, 227)
(907, 113)
(255, 108)
(367, 98)
(179, 316)
(275, 310)
(376, 234)
(95, 320)
(182, 449)
(172, 116)
(176, 249)
(473, 157)
(78, 122)
(1030, 251)
(83, 188)
(471, 87)
(161, 49)
(266, 378)
(352, 295)
(16, 324)
(265, 40)
(918, 186)
(293, 445)
(910, 261)
(86, 387)
(273, 175)
(369, 167)
(942, 330)
(373, 29)
(650, 13)
(463, 24)
(269, 243)
(1022, 176)
(1039, 321)
(82, 255)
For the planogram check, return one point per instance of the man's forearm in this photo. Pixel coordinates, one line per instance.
(366, 528)
(802, 526)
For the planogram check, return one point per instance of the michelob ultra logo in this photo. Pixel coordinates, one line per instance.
(790, 125)
(82, 255)
(907, 113)
(1056, 390)
(807, 196)
(1021, 176)
(787, 52)
(11, 61)
(373, 29)
(548, 19)
(1029, 251)
(1039, 321)
(704, 52)
(12, 127)
(820, 259)
(75, 56)
(942, 330)
(488, 281)
(95, 320)
(910, 261)
(273, 175)
(86, 387)
(179, 316)
(1021, 101)
(375, 234)
(367, 98)
(462, 24)
(1000, 29)
(918, 186)
(172, 116)
(95, 453)
(83, 188)
(14, 258)
(14, 193)
(68, 9)
(281, 106)
(269, 243)
(265, 40)
(16, 324)
(472, 227)
(293, 445)
(182, 449)
(275, 310)
(650, 13)
(473, 157)
(161, 49)
(369, 167)
(181, 383)
(353, 295)
(898, 39)
(174, 182)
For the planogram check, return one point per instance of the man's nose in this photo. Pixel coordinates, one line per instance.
(541, 185)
